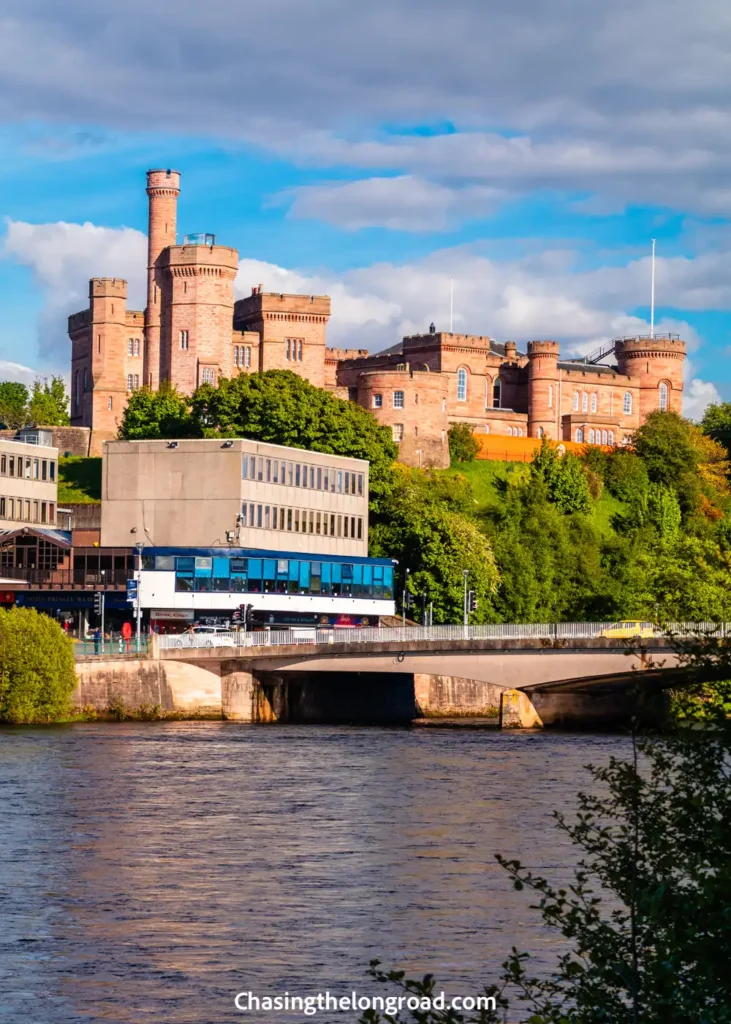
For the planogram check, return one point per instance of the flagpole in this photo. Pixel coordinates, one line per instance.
(652, 294)
(451, 305)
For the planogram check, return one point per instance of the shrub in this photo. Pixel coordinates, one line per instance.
(463, 445)
(626, 476)
(37, 673)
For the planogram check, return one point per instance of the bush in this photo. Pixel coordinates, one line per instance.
(626, 476)
(37, 674)
(463, 445)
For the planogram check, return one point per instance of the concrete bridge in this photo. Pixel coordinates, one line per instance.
(530, 681)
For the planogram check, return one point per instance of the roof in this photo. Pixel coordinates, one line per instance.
(60, 537)
(232, 552)
(580, 367)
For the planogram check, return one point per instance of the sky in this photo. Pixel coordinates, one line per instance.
(375, 152)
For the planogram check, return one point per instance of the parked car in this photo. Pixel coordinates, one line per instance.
(629, 629)
(213, 636)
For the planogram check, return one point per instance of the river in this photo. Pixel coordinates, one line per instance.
(149, 872)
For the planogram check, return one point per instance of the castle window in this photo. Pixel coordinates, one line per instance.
(610, 437)
(86, 379)
(378, 401)
(416, 431)
(289, 348)
(584, 402)
(130, 346)
(497, 391)
(550, 396)
(300, 350)
(110, 402)
(247, 356)
(627, 402)
(591, 436)
(593, 402)
(579, 435)
(77, 390)
(397, 432)
(576, 401)
(540, 431)
(129, 381)
(520, 431)
(135, 381)
(184, 340)
(604, 436)
(208, 375)
(398, 399)
(444, 436)
(444, 405)
(461, 384)
(663, 397)
(236, 355)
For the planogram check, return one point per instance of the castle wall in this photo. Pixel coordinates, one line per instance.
(420, 424)
(292, 330)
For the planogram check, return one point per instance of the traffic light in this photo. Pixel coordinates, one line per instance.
(249, 617)
(409, 599)
(98, 598)
(472, 601)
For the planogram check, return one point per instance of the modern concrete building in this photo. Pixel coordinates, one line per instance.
(233, 493)
(28, 484)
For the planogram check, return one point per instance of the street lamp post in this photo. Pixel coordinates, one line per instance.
(465, 609)
(103, 574)
(138, 602)
(403, 598)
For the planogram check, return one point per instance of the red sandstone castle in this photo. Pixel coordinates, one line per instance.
(193, 332)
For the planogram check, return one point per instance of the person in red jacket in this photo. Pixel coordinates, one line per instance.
(127, 634)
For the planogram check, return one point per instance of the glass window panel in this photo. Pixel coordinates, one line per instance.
(275, 471)
(270, 568)
(267, 517)
(252, 468)
(204, 566)
(164, 563)
(245, 467)
(304, 476)
(357, 573)
(304, 580)
(368, 574)
(268, 470)
(239, 565)
(221, 567)
(255, 568)
(326, 572)
(185, 564)
(221, 584)
(258, 516)
(184, 582)
(297, 471)
(336, 572)
(316, 568)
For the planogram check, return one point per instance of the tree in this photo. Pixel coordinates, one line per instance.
(565, 477)
(463, 445)
(436, 545)
(716, 423)
(626, 476)
(665, 445)
(49, 404)
(157, 414)
(13, 404)
(37, 674)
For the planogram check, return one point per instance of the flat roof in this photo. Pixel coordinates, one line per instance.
(183, 443)
(295, 556)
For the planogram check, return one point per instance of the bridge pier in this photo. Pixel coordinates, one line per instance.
(517, 711)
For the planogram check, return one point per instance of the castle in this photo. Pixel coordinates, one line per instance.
(192, 332)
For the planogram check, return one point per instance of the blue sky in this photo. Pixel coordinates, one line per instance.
(375, 154)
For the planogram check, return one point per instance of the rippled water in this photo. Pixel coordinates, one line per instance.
(150, 872)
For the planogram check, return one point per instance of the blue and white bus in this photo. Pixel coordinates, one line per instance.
(180, 586)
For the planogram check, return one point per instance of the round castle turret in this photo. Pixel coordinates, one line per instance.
(543, 389)
(656, 365)
(163, 189)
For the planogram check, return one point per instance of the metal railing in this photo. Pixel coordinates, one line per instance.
(430, 634)
(113, 646)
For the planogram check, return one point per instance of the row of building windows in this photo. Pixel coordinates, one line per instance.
(514, 431)
(493, 390)
(294, 349)
(301, 520)
(295, 474)
(594, 436)
(275, 576)
(242, 355)
(25, 510)
(27, 467)
(133, 346)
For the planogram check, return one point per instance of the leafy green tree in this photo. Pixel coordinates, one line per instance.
(37, 674)
(436, 545)
(626, 476)
(463, 445)
(665, 445)
(565, 477)
(663, 513)
(281, 407)
(13, 404)
(49, 404)
(157, 414)
(716, 423)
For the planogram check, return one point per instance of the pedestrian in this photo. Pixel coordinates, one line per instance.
(97, 640)
(127, 634)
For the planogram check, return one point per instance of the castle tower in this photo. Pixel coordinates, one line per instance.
(98, 355)
(656, 365)
(543, 391)
(163, 189)
(197, 281)
(292, 331)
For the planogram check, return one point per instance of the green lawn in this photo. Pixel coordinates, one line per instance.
(485, 475)
(79, 480)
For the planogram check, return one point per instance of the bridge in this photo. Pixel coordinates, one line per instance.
(566, 674)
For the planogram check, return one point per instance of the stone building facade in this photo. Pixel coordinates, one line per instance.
(192, 332)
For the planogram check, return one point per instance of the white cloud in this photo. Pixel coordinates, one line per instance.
(18, 372)
(697, 396)
(405, 203)
(63, 257)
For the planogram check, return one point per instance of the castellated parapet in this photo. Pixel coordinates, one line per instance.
(192, 332)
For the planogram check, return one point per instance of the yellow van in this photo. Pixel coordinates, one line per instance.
(629, 629)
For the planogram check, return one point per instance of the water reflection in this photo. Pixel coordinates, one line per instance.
(149, 872)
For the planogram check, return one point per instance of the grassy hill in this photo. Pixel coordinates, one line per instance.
(79, 480)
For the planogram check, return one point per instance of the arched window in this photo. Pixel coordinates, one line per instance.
(129, 381)
(509, 431)
(550, 396)
(77, 390)
(461, 384)
(520, 431)
(576, 401)
(627, 402)
(610, 437)
(591, 436)
(487, 428)
(579, 435)
(540, 431)
(584, 402)
(497, 390)
(604, 437)
(593, 402)
(488, 392)
(664, 397)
